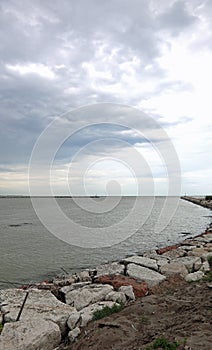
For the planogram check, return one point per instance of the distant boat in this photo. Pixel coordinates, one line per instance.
(94, 196)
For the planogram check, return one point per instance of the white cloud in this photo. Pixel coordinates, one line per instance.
(33, 68)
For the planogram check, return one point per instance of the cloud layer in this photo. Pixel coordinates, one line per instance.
(58, 56)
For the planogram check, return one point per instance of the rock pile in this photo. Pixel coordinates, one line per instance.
(66, 305)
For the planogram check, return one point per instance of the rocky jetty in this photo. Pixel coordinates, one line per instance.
(61, 308)
(205, 202)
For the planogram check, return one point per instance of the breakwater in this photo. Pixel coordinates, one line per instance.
(202, 201)
(43, 315)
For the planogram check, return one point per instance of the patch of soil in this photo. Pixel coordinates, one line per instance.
(175, 310)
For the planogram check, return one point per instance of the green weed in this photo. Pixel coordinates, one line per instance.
(106, 311)
(1, 327)
(163, 343)
(210, 261)
(208, 276)
(144, 320)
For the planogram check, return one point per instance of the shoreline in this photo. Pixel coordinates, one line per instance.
(66, 305)
(203, 202)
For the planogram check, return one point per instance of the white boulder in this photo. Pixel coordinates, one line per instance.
(118, 297)
(30, 335)
(151, 277)
(142, 261)
(128, 291)
(73, 320)
(87, 295)
(192, 263)
(174, 268)
(195, 276)
(113, 268)
(72, 335)
(40, 304)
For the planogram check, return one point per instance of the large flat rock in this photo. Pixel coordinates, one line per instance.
(142, 261)
(192, 263)
(89, 294)
(174, 268)
(151, 277)
(40, 304)
(113, 268)
(207, 238)
(194, 277)
(30, 335)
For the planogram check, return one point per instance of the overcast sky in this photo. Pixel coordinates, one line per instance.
(153, 56)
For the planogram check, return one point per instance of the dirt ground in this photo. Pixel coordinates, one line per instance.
(176, 310)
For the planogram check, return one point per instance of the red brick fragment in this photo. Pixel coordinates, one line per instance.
(140, 289)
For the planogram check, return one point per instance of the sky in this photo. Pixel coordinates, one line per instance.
(111, 86)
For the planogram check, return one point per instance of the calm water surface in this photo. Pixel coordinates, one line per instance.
(28, 252)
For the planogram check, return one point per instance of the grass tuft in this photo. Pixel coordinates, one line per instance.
(210, 261)
(1, 327)
(106, 311)
(163, 343)
(208, 276)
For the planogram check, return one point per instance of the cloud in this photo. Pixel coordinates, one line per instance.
(57, 56)
(177, 18)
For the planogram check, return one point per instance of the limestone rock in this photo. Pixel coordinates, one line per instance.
(195, 276)
(161, 262)
(206, 256)
(173, 254)
(30, 335)
(205, 267)
(187, 247)
(84, 276)
(151, 277)
(174, 268)
(39, 304)
(207, 238)
(66, 281)
(87, 295)
(116, 296)
(197, 265)
(142, 261)
(113, 268)
(128, 291)
(77, 285)
(73, 319)
(150, 254)
(198, 251)
(72, 335)
(192, 263)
